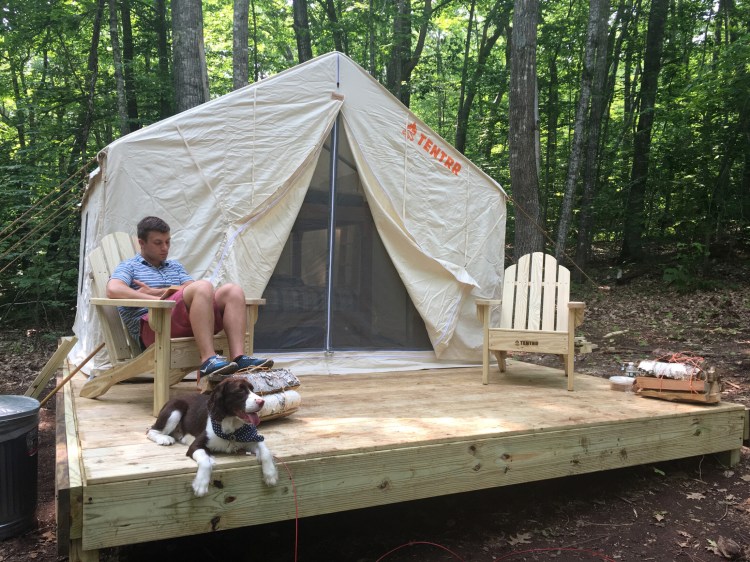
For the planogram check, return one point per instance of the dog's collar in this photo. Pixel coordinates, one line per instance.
(246, 434)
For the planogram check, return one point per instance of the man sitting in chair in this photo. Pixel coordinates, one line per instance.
(200, 312)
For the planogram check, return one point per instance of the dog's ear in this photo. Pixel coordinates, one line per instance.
(217, 395)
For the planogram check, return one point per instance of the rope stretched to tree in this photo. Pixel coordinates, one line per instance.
(4, 232)
(552, 242)
(55, 226)
(26, 222)
(34, 230)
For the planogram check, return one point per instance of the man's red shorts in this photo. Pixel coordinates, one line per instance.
(180, 321)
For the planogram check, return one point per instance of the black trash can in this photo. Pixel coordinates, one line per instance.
(19, 441)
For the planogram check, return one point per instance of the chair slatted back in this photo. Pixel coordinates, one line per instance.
(535, 294)
(113, 249)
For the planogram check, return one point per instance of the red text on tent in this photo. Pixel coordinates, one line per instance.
(432, 148)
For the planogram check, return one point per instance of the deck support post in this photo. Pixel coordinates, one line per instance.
(729, 458)
(77, 554)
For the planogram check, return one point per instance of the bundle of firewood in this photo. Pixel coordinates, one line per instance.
(278, 387)
(678, 378)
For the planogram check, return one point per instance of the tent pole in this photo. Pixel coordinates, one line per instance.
(331, 230)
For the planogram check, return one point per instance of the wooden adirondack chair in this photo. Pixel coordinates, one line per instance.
(169, 359)
(535, 313)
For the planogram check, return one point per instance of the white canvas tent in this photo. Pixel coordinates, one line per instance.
(242, 180)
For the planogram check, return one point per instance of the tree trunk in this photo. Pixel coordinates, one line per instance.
(495, 113)
(165, 82)
(629, 38)
(190, 74)
(302, 30)
(402, 60)
(441, 94)
(256, 64)
(723, 199)
(127, 65)
(86, 114)
(40, 89)
(615, 43)
(553, 118)
(745, 182)
(574, 161)
(240, 35)
(591, 163)
(498, 16)
(524, 178)
(16, 70)
(461, 119)
(401, 47)
(122, 107)
(632, 246)
(335, 26)
(371, 37)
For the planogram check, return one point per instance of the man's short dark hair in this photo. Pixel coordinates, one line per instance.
(150, 224)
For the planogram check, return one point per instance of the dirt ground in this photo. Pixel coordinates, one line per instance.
(692, 509)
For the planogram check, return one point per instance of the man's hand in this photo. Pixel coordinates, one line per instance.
(117, 289)
(146, 290)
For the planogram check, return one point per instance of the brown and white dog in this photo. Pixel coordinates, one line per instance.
(223, 422)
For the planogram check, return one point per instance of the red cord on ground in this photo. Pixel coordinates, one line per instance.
(412, 543)
(296, 508)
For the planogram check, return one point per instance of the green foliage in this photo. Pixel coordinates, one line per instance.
(698, 189)
(686, 275)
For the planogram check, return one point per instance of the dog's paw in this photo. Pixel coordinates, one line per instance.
(160, 438)
(270, 475)
(200, 487)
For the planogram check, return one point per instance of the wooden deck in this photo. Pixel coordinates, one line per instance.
(360, 441)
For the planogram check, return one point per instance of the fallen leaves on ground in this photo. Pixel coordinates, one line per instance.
(520, 538)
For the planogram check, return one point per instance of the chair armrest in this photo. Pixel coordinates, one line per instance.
(147, 303)
(488, 302)
(577, 310)
(483, 310)
(255, 302)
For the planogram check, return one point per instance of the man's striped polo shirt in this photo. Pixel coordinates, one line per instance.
(170, 272)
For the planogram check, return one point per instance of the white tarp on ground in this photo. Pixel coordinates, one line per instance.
(230, 176)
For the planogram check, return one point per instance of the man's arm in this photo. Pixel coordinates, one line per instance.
(118, 289)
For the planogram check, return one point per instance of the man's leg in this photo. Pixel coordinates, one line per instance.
(231, 301)
(198, 298)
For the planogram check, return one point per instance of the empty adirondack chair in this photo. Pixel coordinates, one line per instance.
(169, 359)
(535, 313)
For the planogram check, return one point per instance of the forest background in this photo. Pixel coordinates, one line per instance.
(621, 128)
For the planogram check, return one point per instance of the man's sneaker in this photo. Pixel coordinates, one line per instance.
(246, 362)
(217, 365)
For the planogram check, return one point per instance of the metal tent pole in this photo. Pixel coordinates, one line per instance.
(331, 231)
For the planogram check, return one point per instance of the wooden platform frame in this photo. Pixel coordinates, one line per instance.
(364, 440)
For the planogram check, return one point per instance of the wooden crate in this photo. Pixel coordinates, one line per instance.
(690, 390)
